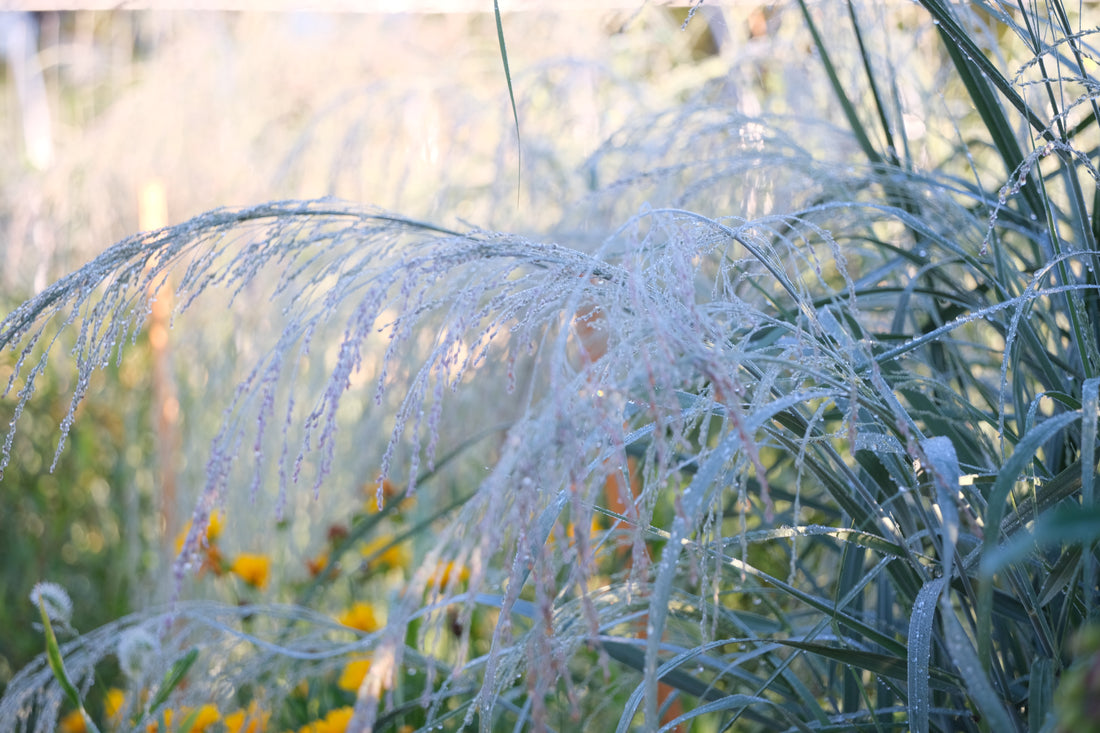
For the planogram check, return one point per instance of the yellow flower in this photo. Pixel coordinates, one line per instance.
(205, 716)
(212, 556)
(389, 490)
(247, 721)
(208, 715)
(72, 723)
(214, 526)
(443, 574)
(353, 674)
(213, 531)
(112, 706)
(252, 569)
(382, 552)
(360, 616)
(167, 715)
(337, 720)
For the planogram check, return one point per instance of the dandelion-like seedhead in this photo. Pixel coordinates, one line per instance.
(55, 600)
(138, 651)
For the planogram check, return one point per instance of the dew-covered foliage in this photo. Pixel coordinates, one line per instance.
(804, 439)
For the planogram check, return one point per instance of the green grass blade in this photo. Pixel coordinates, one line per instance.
(57, 666)
(633, 657)
(972, 57)
(511, 95)
(846, 105)
(1010, 473)
(53, 656)
(977, 73)
(189, 722)
(1067, 524)
(1040, 693)
(880, 108)
(173, 677)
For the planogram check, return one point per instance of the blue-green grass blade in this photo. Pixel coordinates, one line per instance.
(834, 81)
(1007, 478)
(973, 670)
(920, 651)
(880, 108)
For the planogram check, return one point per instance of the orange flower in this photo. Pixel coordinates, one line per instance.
(360, 616)
(353, 674)
(318, 565)
(252, 569)
(72, 723)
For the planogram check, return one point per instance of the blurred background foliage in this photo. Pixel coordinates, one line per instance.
(405, 111)
(86, 524)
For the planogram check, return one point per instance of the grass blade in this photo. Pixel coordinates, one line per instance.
(920, 651)
(511, 96)
(57, 666)
(972, 670)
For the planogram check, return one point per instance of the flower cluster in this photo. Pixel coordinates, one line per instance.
(253, 569)
(376, 548)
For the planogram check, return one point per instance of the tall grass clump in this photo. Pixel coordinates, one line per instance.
(806, 441)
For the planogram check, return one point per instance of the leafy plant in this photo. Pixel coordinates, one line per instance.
(774, 447)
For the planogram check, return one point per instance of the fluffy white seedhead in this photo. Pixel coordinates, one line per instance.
(138, 651)
(56, 601)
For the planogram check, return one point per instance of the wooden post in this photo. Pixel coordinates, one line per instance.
(153, 214)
